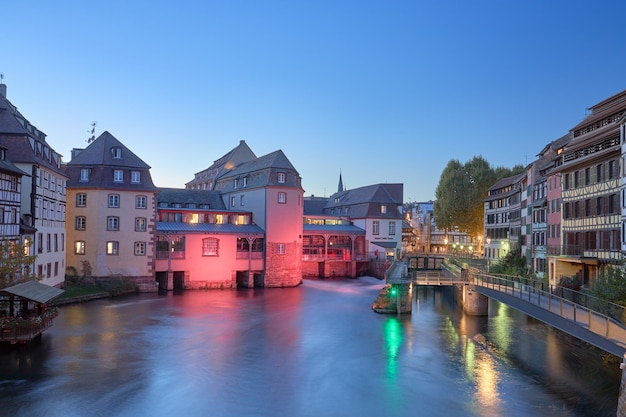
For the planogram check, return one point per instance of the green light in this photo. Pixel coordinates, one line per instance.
(393, 291)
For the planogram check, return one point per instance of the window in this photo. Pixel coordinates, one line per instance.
(392, 228)
(81, 222)
(113, 223)
(245, 181)
(116, 152)
(281, 177)
(84, 174)
(235, 182)
(282, 197)
(81, 200)
(140, 248)
(141, 202)
(118, 175)
(140, 224)
(375, 227)
(383, 209)
(113, 248)
(242, 200)
(210, 246)
(79, 247)
(280, 249)
(232, 201)
(135, 177)
(114, 200)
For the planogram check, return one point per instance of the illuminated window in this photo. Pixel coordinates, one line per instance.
(282, 197)
(81, 200)
(118, 175)
(113, 248)
(383, 209)
(140, 224)
(281, 177)
(219, 219)
(210, 246)
(140, 248)
(79, 247)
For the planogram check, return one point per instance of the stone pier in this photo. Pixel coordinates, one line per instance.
(472, 302)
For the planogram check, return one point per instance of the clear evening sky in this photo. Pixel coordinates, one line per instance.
(383, 91)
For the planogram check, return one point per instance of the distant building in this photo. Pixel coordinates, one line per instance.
(377, 209)
(42, 208)
(111, 212)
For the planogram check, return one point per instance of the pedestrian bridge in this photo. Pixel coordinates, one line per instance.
(601, 325)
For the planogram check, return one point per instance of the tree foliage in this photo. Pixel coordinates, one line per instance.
(14, 263)
(610, 284)
(461, 192)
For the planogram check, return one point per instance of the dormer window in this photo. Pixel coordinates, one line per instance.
(383, 209)
(118, 175)
(245, 181)
(84, 174)
(135, 177)
(3, 154)
(235, 182)
(281, 177)
(116, 152)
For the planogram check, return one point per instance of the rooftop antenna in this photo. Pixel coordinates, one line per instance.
(92, 132)
(1, 78)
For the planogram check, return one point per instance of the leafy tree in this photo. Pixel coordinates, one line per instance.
(14, 263)
(610, 284)
(512, 264)
(461, 192)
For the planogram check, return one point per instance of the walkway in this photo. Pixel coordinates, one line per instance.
(591, 326)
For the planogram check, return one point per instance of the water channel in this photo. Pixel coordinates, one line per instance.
(315, 350)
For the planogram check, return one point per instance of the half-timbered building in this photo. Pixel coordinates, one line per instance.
(589, 167)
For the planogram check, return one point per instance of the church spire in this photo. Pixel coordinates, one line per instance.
(340, 188)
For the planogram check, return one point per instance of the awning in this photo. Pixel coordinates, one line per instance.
(33, 291)
(387, 245)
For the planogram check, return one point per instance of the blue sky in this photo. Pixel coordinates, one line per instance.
(383, 91)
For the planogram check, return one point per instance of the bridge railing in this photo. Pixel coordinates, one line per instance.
(597, 322)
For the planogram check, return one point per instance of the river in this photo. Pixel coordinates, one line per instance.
(314, 350)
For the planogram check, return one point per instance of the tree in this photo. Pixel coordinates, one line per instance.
(461, 192)
(610, 284)
(15, 263)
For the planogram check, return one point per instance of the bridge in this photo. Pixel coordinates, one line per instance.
(600, 326)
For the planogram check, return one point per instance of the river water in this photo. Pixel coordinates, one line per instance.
(314, 350)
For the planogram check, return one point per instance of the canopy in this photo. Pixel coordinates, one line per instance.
(33, 291)
(387, 245)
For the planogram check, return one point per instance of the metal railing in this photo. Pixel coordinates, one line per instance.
(605, 325)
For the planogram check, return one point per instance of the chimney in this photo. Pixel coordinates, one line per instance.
(3, 90)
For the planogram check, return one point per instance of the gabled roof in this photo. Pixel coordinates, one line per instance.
(377, 193)
(99, 153)
(276, 159)
(239, 154)
(34, 291)
(12, 122)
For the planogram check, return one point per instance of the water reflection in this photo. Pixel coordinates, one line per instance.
(315, 350)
